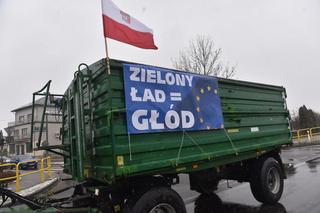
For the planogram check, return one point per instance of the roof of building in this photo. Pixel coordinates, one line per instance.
(38, 102)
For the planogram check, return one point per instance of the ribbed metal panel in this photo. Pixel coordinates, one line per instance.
(256, 120)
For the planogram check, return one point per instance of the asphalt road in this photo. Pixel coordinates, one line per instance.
(301, 195)
(291, 156)
(301, 192)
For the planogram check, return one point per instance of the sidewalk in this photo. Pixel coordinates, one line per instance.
(33, 190)
(31, 184)
(30, 180)
(307, 141)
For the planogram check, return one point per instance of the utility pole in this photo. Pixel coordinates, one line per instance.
(1, 145)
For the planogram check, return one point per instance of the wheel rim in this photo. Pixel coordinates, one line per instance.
(273, 179)
(163, 208)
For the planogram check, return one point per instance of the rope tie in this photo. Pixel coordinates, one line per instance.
(232, 144)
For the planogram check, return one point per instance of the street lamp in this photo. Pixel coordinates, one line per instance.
(1, 146)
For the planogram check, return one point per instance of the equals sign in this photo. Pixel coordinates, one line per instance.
(175, 96)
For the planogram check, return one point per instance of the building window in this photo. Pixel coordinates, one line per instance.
(21, 119)
(12, 149)
(24, 131)
(17, 149)
(29, 117)
(16, 132)
(28, 147)
(22, 150)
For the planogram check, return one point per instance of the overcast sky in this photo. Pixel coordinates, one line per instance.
(271, 41)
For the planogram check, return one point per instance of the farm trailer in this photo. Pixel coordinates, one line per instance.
(123, 172)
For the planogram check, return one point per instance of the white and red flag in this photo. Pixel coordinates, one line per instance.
(122, 27)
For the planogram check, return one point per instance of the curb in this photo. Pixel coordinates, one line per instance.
(300, 144)
(37, 188)
(34, 189)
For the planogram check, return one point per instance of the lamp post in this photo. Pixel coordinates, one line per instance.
(1, 146)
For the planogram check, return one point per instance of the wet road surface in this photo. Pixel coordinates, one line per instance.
(301, 189)
(290, 156)
(301, 195)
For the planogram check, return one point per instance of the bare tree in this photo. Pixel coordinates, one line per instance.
(203, 58)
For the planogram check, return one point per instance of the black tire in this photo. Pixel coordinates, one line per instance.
(276, 208)
(208, 187)
(160, 197)
(204, 182)
(267, 181)
(208, 203)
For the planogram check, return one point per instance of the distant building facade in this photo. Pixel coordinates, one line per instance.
(3, 145)
(19, 132)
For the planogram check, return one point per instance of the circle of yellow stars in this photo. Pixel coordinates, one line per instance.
(198, 98)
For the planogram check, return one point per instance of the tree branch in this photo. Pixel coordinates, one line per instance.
(202, 57)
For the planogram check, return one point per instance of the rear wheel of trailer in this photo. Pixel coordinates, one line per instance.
(158, 199)
(267, 181)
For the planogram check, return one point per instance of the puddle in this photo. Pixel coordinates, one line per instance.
(211, 203)
(313, 165)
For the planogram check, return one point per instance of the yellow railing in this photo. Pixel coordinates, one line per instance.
(308, 133)
(17, 177)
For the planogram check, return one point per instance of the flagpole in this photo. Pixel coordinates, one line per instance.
(106, 44)
(107, 56)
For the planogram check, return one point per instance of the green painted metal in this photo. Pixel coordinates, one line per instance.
(42, 92)
(46, 94)
(94, 127)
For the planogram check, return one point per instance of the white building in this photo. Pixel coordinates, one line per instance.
(19, 131)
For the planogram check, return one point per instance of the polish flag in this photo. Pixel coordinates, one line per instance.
(122, 27)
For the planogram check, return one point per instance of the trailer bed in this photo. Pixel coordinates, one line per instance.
(256, 120)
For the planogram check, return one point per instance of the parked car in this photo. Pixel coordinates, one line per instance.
(4, 160)
(29, 159)
(7, 160)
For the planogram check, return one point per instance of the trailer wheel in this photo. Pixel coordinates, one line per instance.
(275, 208)
(157, 200)
(208, 203)
(204, 182)
(267, 181)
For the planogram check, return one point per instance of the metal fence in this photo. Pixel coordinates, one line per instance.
(45, 165)
(308, 134)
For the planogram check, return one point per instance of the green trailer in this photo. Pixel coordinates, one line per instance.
(122, 172)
